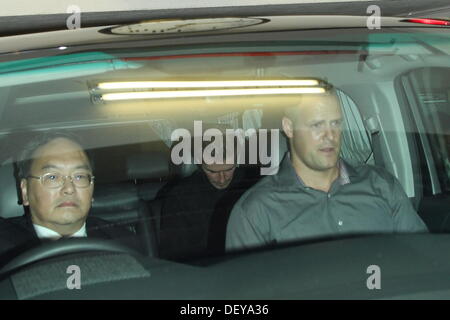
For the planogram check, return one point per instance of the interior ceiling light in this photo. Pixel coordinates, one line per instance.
(207, 93)
(113, 91)
(203, 84)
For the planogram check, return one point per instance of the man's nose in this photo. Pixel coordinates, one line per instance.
(222, 177)
(68, 187)
(330, 133)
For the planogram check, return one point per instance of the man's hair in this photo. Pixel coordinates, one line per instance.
(25, 158)
(291, 111)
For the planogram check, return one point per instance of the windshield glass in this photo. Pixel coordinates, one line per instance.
(192, 149)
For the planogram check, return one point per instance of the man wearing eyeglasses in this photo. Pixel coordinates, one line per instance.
(57, 183)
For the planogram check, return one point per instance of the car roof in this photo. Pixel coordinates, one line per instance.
(348, 7)
(10, 46)
(45, 16)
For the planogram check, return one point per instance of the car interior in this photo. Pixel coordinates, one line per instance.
(391, 86)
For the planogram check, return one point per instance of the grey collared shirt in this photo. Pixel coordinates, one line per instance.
(281, 208)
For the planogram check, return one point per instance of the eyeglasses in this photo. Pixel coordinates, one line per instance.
(56, 180)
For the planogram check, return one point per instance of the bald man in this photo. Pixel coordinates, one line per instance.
(315, 194)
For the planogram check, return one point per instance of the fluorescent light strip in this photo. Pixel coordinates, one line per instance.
(204, 84)
(206, 93)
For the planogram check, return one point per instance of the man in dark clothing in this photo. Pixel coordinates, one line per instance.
(195, 210)
(18, 235)
(56, 186)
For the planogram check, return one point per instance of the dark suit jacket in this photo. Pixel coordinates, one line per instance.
(18, 235)
(194, 214)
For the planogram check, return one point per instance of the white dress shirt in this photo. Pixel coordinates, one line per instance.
(46, 233)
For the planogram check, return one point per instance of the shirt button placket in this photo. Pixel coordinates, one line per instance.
(340, 222)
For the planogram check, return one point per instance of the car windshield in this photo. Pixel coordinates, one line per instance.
(212, 147)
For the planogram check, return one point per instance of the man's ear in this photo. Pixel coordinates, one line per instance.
(288, 127)
(24, 190)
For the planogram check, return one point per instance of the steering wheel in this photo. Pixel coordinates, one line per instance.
(62, 247)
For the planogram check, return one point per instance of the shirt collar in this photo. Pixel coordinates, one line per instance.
(46, 233)
(344, 177)
(288, 173)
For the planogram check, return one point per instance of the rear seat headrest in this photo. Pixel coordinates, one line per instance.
(148, 166)
(9, 202)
